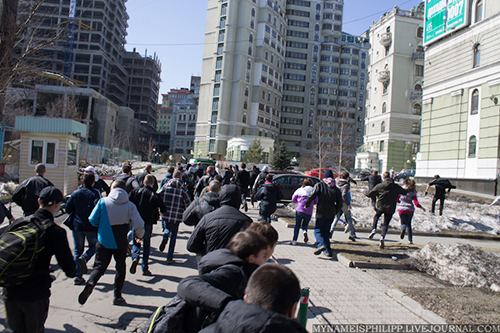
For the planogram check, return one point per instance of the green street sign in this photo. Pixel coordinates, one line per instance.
(455, 16)
(435, 19)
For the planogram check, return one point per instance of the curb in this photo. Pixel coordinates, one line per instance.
(371, 265)
(415, 307)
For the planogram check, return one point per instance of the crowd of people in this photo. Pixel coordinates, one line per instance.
(229, 246)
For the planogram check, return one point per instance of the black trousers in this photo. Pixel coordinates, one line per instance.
(441, 203)
(27, 317)
(101, 263)
(387, 220)
(244, 193)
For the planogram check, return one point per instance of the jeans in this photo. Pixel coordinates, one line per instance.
(441, 204)
(170, 229)
(348, 219)
(322, 233)
(387, 220)
(146, 240)
(301, 221)
(406, 224)
(265, 218)
(244, 193)
(27, 317)
(79, 240)
(101, 263)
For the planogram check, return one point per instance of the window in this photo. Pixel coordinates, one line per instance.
(244, 120)
(253, 11)
(213, 129)
(250, 38)
(479, 10)
(477, 55)
(211, 146)
(420, 32)
(417, 109)
(415, 128)
(249, 50)
(382, 127)
(43, 151)
(72, 152)
(419, 70)
(384, 107)
(415, 147)
(245, 105)
(246, 91)
(475, 102)
(472, 146)
(381, 148)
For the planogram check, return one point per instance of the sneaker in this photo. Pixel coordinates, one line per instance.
(79, 281)
(293, 243)
(346, 229)
(119, 301)
(164, 242)
(170, 261)
(84, 295)
(352, 238)
(372, 234)
(329, 254)
(82, 262)
(246, 208)
(147, 272)
(381, 244)
(133, 267)
(306, 238)
(410, 242)
(319, 250)
(129, 251)
(402, 234)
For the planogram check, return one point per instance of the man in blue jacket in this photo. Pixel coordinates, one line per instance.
(113, 216)
(80, 204)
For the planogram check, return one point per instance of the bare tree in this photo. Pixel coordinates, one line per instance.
(343, 147)
(150, 148)
(65, 106)
(323, 140)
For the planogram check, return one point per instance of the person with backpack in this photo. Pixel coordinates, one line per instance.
(228, 175)
(27, 303)
(269, 195)
(26, 194)
(191, 181)
(203, 205)
(147, 171)
(440, 184)
(242, 179)
(147, 202)
(99, 184)
(126, 176)
(205, 180)
(80, 206)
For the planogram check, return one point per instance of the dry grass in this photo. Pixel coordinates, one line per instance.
(370, 252)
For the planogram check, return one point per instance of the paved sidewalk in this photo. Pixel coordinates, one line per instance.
(339, 295)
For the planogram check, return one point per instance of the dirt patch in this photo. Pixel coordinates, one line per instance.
(391, 254)
(458, 305)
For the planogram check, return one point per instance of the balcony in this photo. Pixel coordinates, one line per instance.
(417, 56)
(384, 76)
(416, 95)
(385, 38)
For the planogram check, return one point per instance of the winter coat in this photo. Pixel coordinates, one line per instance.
(344, 188)
(269, 195)
(373, 180)
(140, 179)
(253, 176)
(204, 182)
(300, 196)
(130, 181)
(387, 194)
(200, 171)
(242, 179)
(241, 317)
(38, 285)
(441, 184)
(223, 278)
(81, 203)
(261, 178)
(215, 230)
(26, 195)
(405, 202)
(147, 202)
(113, 216)
(166, 179)
(226, 179)
(329, 199)
(101, 186)
(200, 207)
(176, 199)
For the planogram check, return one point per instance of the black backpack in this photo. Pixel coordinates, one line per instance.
(168, 318)
(191, 180)
(20, 245)
(128, 179)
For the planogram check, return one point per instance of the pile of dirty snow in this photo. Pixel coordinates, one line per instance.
(7, 188)
(462, 265)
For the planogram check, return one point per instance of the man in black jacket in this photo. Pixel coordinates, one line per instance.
(27, 305)
(203, 205)
(242, 179)
(253, 176)
(205, 180)
(216, 228)
(269, 305)
(441, 184)
(26, 194)
(80, 204)
(148, 203)
(147, 171)
(269, 195)
(329, 204)
(387, 194)
(373, 180)
(126, 176)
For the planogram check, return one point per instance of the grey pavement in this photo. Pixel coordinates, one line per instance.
(338, 295)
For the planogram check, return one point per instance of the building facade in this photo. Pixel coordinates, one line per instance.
(460, 116)
(394, 104)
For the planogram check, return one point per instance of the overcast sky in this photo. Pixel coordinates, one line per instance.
(175, 29)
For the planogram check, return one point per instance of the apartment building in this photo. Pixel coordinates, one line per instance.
(394, 104)
(460, 137)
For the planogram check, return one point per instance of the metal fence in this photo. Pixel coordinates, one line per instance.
(97, 154)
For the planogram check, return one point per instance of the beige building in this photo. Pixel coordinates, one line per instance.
(393, 108)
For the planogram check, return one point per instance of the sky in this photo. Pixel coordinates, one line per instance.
(175, 29)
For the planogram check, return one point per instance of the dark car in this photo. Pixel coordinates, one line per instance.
(278, 172)
(289, 183)
(404, 174)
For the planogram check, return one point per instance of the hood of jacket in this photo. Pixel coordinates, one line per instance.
(270, 186)
(265, 169)
(192, 170)
(118, 196)
(230, 195)
(329, 181)
(304, 191)
(218, 258)
(211, 198)
(342, 182)
(175, 183)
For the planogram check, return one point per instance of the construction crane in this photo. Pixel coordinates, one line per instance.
(70, 39)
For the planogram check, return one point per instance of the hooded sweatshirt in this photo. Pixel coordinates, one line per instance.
(344, 187)
(300, 196)
(329, 198)
(269, 195)
(113, 216)
(405, 202)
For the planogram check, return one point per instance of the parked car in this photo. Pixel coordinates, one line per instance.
(358, 173)
(404, 174)
(315, 173)
(290, 182)
(278, 172)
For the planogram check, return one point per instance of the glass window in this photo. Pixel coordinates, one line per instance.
(420, 32)
(477, 55)
(36, 151)
(475, 102)
(479, 10)
(43, 151)
(417, 109)
(384, 107)
(472, 146)
(382, 127)
(415, 129)
(72, 151)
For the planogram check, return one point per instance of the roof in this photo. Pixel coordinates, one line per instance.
(50, 125)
